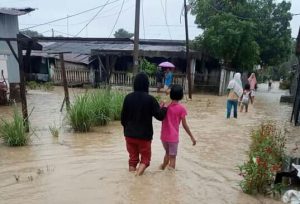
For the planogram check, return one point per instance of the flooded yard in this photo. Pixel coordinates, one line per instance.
(92, 167)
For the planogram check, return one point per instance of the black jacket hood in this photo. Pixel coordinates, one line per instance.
(141, 82)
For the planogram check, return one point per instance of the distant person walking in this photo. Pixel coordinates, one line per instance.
(245, 98)
(136, 118)
(253, 85)
(270, 84)
(168, 81)
(159, 78)
(235, 89)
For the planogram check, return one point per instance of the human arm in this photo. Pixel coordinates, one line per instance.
(187, 129)
(158, 112)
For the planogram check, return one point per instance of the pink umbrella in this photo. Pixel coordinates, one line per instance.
(166, 65)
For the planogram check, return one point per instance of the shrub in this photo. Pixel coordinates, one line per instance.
(33, 85)
(266, 156)
(285, 84)
(148, 67)
(14, 132)
(81, 114)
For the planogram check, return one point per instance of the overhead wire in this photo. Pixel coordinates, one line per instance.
(106, 3)
(117, 18)
(70, 16)
(166, 20)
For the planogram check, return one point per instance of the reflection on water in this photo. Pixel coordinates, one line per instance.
(92, 167)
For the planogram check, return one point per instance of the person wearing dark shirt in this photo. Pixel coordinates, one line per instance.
(159, 79)
(136, 118)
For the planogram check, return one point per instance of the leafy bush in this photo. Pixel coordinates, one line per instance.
(147, 67)
(266, 156)
(14, 132)
(285, 84)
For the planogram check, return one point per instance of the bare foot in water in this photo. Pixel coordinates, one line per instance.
(132, 169)
(141, 169)
(162, 167)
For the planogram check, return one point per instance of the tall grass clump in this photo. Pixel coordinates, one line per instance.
(14, 132)
(117, 99)
(80, 115)
(100, 104)
(95, 109)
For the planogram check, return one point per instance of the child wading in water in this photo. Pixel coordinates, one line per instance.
(170, 127)
(245, 98)
(138, 109)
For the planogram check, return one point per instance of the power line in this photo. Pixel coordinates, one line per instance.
(166, 21)
(106, 3)
(117, 19)
(76, 14)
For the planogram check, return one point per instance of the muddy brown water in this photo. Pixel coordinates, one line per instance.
(92, 167)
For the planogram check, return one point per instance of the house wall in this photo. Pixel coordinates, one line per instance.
(9, 29)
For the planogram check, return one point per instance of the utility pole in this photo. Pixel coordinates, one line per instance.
(65, 82)
(188, 62)
(52, 32)
(136, 37)
(22, 84)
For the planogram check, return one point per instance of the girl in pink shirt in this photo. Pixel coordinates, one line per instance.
(170, 127)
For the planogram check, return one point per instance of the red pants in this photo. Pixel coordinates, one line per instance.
(137, 147)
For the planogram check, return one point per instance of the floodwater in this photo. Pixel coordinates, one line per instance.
(92, 168)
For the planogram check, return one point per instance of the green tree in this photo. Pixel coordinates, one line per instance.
(122, 33)
(244, 33)
(32, 33)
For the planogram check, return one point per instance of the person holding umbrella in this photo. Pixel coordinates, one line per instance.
(169, 75)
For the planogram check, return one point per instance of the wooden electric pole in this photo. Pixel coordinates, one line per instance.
(188, 61)
(136, 37)
(65, 82)
(22, 84)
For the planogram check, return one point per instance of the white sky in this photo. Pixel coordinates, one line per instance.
(154, 18)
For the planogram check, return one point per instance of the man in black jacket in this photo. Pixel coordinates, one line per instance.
(138, 109)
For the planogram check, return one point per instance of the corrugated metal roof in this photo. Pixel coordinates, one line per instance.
(15, 11)
(81, 49)
(69, 57)
(84, 47)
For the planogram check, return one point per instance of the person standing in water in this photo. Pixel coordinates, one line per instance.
(235, 89)
(170, 127)
(168, 81)
(245, 98)
(136, 118)
(159, 79)
(253, 85)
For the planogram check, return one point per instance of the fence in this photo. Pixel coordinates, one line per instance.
(126, 79)
(73, 76)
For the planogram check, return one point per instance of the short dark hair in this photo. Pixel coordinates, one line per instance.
(176, 92)
(247, 86)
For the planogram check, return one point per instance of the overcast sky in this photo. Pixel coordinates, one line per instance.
(155, 15)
